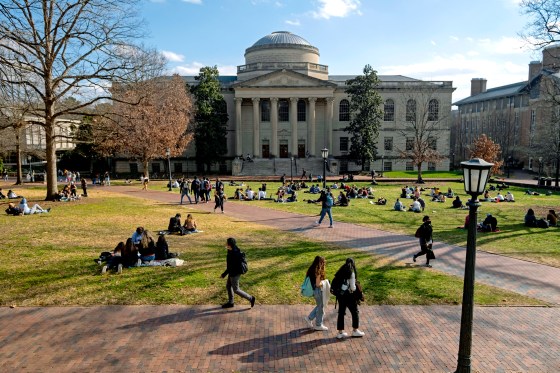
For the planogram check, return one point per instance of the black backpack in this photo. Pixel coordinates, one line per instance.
(336, 286)
(244, 265)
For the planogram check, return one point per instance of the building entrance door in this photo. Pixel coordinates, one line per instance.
(301, 150)
(265, 151)
(283, 150)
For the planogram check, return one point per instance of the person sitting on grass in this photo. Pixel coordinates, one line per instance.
(162, 248)
(12, 194)
(416, 206)
(530, 218)
(261, 195)
(175, 225)
(552, 218)
(129, 254)
(528, 192)
(381, 201)
(457, 203)
(490, 224)
(2, 196)
(399, 206)
(342, 200)
(147, 247)
(115, 260)
(190, 225)
(509, 197)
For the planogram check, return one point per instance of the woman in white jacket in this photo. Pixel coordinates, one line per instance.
(316, 274)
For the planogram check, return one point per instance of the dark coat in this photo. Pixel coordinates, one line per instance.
(233, 263)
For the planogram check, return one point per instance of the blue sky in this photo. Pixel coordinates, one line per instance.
(422, 39)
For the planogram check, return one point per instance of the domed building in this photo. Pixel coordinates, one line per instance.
(284, 109)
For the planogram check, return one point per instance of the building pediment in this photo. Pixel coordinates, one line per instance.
(284, 79)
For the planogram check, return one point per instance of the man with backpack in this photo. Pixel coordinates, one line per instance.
(195, 188)
(236, 266)
(424, 234)
(185, 190)
(327, 202)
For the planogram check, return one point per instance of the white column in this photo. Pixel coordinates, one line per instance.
(238, 140)
(274, 125)
(311, 126)
(329, 116)
(256, 128)
(293, 125)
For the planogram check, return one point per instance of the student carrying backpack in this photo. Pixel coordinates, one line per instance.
(327, 202)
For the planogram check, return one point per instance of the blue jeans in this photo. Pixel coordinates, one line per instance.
(325, 210)
(188, 196)
(318, 311)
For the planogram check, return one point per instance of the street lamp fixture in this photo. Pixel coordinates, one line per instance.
(168, 154)
(475, 173)
(325, 155)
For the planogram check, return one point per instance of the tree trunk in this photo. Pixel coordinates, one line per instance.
(19, 178)
(52, 186)
(419, 180)
(145, 169)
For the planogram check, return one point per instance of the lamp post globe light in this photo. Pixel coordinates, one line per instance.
(325, 155)
(168, 154)
(475, 173)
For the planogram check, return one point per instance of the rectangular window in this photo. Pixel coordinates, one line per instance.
(388, 143)
(344, 144)
(133, 167)
(409, 166)
(156, 168)
(431, 166)
(178, 167)
(301, 106)
(265, 111)
(409, 143)
(283, 111)
(388, 166)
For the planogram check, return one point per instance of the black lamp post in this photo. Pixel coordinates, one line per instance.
(382, 164)
(540, 171)
(325, 155)
(291, 170)
(168, 154)
(475, 173)
(187, 166)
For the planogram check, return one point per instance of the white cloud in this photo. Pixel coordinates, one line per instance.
(194, 68)
(336, 8)
(454, 38)
(172, 56)
(197, 2)
(295, 22)
(505, 45)
(433, 42)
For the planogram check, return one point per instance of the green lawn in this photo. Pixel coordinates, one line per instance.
(514, 239)
(48, 260)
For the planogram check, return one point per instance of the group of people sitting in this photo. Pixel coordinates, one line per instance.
(11, 194)
(140, 249)
(249, 194)
(418, 205)
(499, 197)
(175, 225)
(69, 193)
(531, 220)
(24, 209)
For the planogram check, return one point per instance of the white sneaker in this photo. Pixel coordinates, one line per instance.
(317, 223)
(308, 321)
(119, 269)
(104, 270)
(321, 328)
(358, 333)
(342, 335)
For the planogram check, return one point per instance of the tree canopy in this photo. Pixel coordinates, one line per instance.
(485, 148)
(365, 115)
(210, 131)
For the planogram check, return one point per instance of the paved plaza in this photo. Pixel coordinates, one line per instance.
(273, 338)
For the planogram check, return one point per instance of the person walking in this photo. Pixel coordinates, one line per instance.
(303, 174)
(321, 288)
(424, 235)
(219, 198)
(327, 202)
(195, 188)
(84, 187)
(349, 276)
(234, 270)
(185, 190)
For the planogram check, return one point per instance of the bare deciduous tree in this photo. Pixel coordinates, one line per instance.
(67, 48)
(426, 123)
(144, 131)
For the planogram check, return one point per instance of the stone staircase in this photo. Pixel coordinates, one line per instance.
(280, 166)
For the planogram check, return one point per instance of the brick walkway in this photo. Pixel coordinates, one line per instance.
(272, 339)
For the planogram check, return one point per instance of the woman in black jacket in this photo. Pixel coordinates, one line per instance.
(234, 270)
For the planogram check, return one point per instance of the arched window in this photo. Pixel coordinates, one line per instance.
(344, 111)
(265, 110)
(389, 111)
(433, 110)
(411, 111)
(301, 111)
(283, 111)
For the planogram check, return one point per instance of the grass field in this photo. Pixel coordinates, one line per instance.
(514, 239)
(49, 260)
